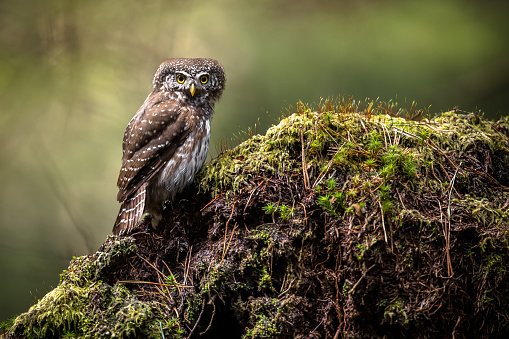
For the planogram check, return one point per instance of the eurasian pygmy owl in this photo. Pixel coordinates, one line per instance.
(166, 142)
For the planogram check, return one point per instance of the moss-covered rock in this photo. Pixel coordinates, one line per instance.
(344, 220)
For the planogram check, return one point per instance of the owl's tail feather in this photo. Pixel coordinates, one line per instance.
(130, 212)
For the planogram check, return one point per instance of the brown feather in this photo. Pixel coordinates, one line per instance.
(144, 157)
(130, 212)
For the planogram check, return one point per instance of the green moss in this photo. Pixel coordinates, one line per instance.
(70, 310)
(374, 142)
(264, 327)
(6, 325)
(265, 312)
(341, 213)
(332, 203)
(361, 248)
(270, 208)
(285, 212)
(395, 312)
(265, 281)
(493, 213)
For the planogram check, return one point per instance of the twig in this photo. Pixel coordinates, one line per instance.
(322, 175)
(338, 333)
(383, 222)
(251, 195)
(453, 336)
(447, 231)
(225, 250)
(161, 329)
(304, 164)
(187, 265)
(360, 279)
(197, 320)
(226, 231)
(153, 283)
(211, 202)
(212, 317)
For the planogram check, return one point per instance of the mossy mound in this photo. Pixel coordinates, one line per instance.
(344, 220)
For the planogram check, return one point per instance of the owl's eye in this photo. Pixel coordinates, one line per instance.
(180, 78)
(204, 79)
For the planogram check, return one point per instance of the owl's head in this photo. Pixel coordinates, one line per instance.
(193, 79)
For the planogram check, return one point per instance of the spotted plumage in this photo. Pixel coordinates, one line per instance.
(166, 142)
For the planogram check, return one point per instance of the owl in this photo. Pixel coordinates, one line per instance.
(166, 142)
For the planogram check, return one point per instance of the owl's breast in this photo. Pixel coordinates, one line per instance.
(182, 167)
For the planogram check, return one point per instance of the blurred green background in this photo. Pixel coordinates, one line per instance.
(72, 73)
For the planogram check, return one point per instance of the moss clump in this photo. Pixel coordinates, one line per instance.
(82, 305)
(345, 219)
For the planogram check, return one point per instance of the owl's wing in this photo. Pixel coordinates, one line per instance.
(150, 140)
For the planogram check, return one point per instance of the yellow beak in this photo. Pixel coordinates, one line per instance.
(192, 89)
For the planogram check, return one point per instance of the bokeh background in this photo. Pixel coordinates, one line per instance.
(72, 73)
